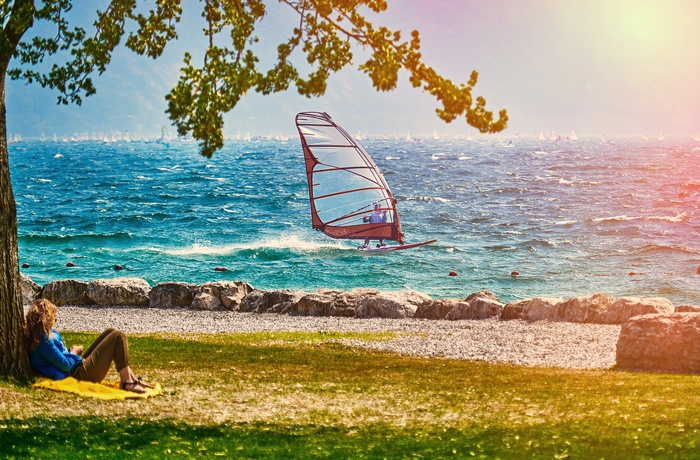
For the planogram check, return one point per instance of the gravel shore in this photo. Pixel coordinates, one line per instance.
(541, 343)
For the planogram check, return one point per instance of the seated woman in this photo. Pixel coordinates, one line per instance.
(49, 356)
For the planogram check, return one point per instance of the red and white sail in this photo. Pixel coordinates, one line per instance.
(344, 183)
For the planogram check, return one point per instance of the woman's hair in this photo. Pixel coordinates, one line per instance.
(40, 319)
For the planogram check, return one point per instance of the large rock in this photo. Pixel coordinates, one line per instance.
(259, 301)
(314, 304)
(30, 290)
(540, 308)
(479, 305)
(345, 302)
(171, 295)
(119, 292)
(585, 309)
(660, 342)
(401, 304)
(229, 293)
(687, 309)
(206, 299)
(435, 308)
(625, 308)
(514, 309)
(66, 292)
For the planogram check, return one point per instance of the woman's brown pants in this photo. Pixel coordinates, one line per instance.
(110, 346)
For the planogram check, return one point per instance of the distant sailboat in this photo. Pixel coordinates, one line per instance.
(661, 137)
(697, 137)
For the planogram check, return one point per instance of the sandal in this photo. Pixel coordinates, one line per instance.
(144, 384)
(134, 387)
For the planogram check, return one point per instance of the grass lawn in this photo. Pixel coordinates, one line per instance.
(307, 395)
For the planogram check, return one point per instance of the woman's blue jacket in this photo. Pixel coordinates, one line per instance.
(52, 359)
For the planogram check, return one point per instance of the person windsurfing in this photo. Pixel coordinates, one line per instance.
(378, 216)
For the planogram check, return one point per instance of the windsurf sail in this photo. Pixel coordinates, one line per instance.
(348, 195)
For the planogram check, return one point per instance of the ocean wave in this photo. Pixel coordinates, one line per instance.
(428, 198)
(294, 243)
(625, 218)
(45, 238)
(667, 248)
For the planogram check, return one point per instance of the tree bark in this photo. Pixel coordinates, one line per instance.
(13, 354)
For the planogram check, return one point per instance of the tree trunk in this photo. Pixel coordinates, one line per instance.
(13, 355)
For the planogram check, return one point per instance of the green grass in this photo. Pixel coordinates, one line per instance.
(308, 395)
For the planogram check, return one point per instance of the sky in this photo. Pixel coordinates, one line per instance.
(597, 67)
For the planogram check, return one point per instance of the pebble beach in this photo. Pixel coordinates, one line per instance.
(541, 343)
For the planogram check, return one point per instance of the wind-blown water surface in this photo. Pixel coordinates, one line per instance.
(573, 218)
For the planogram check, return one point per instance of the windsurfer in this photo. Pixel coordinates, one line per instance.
(377, 217)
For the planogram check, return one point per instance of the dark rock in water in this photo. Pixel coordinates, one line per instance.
(220, 269)
(25, 265)
(118, 267)
(70, 264)
(452, 273)
(660, 343)
(515, 273)
(698, 272)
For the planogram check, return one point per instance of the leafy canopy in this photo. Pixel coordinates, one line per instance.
(321, 43)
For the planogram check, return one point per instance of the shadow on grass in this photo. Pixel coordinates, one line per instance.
(90, 437)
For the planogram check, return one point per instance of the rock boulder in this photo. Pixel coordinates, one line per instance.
(259, 301)
(625, 308)
(479, 305)
(585, 309)
(435, 308)
(66, 292)
(171, 295)
(401, 304)
(514, 309)
(660, 342)
(30, 290)
(540, 308)
(119, 292)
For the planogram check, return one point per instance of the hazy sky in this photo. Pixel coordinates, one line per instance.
(615, 67)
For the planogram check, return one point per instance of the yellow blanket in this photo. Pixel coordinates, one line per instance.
(104, 390)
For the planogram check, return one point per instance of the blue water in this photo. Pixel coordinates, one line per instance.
(573, 218)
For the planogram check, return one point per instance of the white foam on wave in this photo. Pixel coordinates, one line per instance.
(291, 242)
(429, 198)
(623, 218)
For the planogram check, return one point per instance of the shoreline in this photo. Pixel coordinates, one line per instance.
(540, 343)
